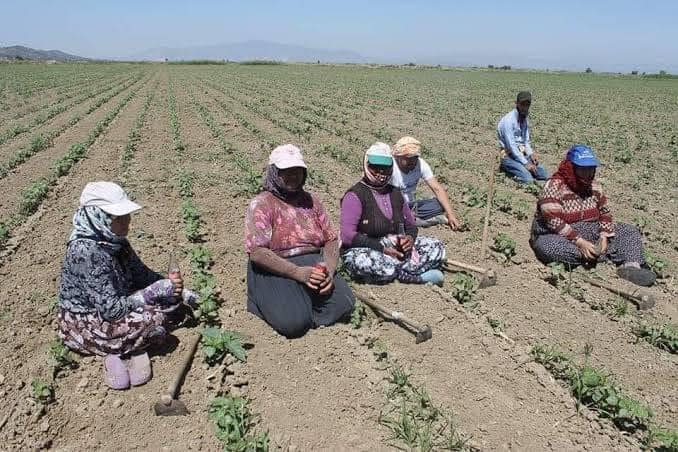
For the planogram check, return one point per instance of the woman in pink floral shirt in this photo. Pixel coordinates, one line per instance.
(293, 252)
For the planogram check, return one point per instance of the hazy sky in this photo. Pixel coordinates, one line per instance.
(606, 34)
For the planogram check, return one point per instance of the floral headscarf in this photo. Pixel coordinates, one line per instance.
(92, 223)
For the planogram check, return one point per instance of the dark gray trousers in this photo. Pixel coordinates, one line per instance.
(290, 307)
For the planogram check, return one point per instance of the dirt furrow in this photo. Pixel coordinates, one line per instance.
(41, 163)
(277, 369)
(79, 106)
(28, 324)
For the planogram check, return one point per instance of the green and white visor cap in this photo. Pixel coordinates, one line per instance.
(380, 154)
(109, 197)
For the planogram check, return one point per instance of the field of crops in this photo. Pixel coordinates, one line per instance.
(540, 361)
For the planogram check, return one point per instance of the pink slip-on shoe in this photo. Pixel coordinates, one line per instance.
(115, 372)
(139, 368)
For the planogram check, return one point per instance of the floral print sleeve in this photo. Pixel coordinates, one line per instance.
(94, 282)
(258, 225)
(284, 228)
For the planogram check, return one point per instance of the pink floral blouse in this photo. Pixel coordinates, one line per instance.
(286, 229)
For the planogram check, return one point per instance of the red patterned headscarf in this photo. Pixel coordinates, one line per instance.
(566, 174)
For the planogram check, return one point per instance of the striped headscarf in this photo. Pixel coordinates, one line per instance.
(407, 147)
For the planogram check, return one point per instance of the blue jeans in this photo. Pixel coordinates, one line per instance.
(425, 209)
(518, 171)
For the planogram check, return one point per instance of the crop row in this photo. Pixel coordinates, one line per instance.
(135, 133)
(53, 109)
(234, 422)
(34, 194)
(42, 141)
(595, 388)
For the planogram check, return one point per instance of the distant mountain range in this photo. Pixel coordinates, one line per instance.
(26, 53)
(250, 50)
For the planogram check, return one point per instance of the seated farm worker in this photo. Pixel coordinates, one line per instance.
(409, 169)
(378, 232)
(110, 303)
(573, 224)
(513, 132)
(293, 252)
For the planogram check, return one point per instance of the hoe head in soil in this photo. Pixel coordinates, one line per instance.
(168, 406)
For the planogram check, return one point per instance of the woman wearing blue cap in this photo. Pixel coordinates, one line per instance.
(573, 224)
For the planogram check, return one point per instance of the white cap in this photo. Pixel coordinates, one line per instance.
(286, 156)
(379, 154)
(109, 197)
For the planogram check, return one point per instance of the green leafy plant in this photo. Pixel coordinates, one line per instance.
(463, 287)
(217, 343)
(42, 391)
(60, 357)
(522, 209)
(192, 222)
(503, 202)
(358, 314)
(504, 244)
(657, 264)
(533, 189)
(4, 233)
(561, 277)
(32, 196)
(235, 423)
(185, 183)
(496, 324)
(664, 337)
(472, 196)
(414, 420)
(592, 387)
(662, 440)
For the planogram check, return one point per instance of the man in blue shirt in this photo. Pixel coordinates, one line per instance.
(519, 160)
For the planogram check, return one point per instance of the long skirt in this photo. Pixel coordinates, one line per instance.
(625, 247)
(374, 267)
(89, 334)
(291, 308)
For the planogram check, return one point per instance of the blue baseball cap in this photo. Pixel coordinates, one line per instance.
(582, 155)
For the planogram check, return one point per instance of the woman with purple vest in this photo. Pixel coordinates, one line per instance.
(378, 232)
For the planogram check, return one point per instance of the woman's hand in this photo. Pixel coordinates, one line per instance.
(406, 243)
(178, 284)
(587, 249)
(453, 222)
(390, 251)
(327, 285)
(312, 277)
(602, 245)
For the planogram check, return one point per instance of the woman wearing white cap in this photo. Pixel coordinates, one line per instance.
(293, 252)
(378, 230)
(110, 303)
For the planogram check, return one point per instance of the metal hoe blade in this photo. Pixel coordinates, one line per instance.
(174, 408)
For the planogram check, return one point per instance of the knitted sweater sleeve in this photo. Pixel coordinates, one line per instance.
(606, 223)
(550, 208)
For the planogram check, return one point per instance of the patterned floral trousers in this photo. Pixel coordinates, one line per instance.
(626, 246)
(90, 335)
(372, 266)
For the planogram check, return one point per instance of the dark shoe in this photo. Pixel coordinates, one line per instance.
(638, 276)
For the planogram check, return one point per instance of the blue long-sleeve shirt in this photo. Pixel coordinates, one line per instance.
(511, 133)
